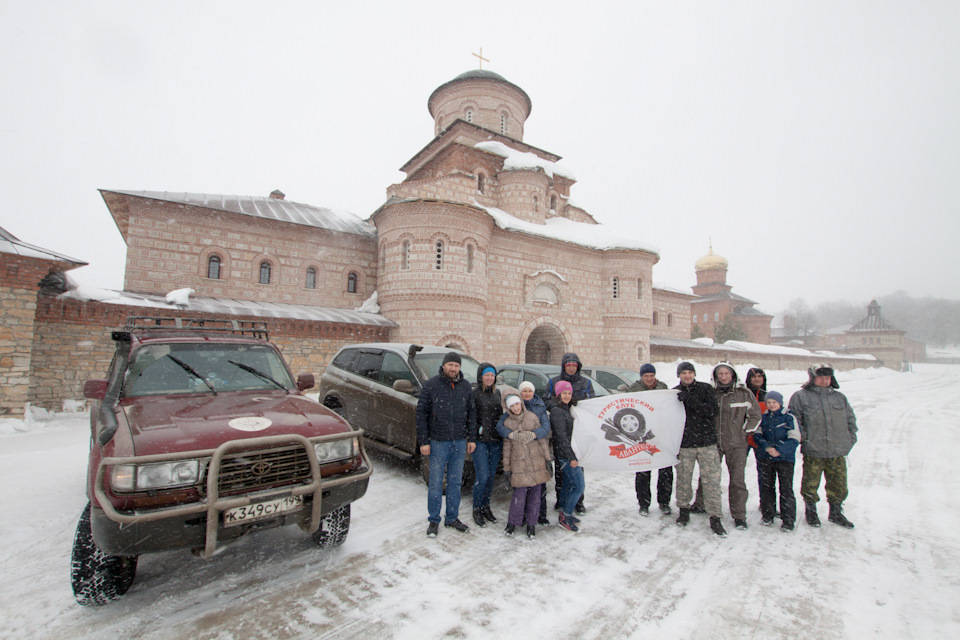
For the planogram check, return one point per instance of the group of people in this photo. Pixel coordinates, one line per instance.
(724, 421)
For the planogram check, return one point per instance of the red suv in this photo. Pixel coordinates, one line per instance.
(200, 435)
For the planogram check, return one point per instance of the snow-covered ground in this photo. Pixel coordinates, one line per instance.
(897, 575)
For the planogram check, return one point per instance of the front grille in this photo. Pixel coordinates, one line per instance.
(263, 469)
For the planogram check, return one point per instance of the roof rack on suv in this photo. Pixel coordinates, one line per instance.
(142, 324)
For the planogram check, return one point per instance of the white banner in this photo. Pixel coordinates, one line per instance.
(629, 432)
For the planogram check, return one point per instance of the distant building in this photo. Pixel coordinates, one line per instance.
(878, 336)
(716, 302)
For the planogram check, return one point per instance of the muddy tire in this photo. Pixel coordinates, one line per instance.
(97, 578)
(334, 528)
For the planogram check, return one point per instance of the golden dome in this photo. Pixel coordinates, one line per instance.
(711, 261)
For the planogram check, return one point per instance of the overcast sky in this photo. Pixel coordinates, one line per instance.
(816, 143)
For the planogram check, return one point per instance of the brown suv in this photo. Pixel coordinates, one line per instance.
(377, 385)
(200, 435)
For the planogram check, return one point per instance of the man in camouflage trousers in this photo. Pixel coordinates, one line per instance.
(829, 432)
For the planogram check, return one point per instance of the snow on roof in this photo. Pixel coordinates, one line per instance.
(9, 243)
(596, 236)
(663, 287)
(179, 299)
(523, 160)
(264, 207)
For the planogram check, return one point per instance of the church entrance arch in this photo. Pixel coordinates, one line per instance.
(545, 345)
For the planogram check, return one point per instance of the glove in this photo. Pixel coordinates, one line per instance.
(526, 436)
(683, 394)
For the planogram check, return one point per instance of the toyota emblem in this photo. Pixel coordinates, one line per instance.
(260, 468)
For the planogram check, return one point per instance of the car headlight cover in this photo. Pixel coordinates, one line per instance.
(160, 475)
(336, 450)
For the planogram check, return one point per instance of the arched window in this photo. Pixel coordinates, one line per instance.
(352, 282)
(469, 258)
(694, 318)
(439, 262)
(669, 319)
(616, 288)
(656, 318)
(405, 255)
(536, 204)
(311, 282)
(545, 293)
(639, 288)
(213, 267)
(503, 123)
(480, 183)
(553, 204)
(716, 317)
(469, 115)
(265, 270)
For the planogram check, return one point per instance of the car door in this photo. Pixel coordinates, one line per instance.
(397, 409)
(367, 392)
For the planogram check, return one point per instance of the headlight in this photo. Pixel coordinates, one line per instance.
(336, 450)
(160, 475)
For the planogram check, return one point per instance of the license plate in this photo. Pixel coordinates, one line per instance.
(261, 510)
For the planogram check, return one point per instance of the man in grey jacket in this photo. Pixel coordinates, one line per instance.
(829, 432)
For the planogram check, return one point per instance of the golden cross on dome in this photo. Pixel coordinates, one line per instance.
(480, 55)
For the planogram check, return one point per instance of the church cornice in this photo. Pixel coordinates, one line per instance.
(447, 137)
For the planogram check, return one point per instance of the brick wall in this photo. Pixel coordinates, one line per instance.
(19, 277)
(72, 344)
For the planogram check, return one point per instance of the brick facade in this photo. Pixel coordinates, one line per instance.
(19, 279)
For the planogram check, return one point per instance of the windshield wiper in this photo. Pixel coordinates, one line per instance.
(256, 372)
(192, 371)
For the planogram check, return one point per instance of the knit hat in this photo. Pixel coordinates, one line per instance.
(487, 370)
(648, 368)
(775, 396)
(562, 386)
(685, 366)
(526, 384)
(512, 400)
(452, 356)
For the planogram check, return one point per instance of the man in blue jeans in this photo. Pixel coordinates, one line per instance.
(446, 432)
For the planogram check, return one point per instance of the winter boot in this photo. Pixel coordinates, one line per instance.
(665, 509)
(836, 516)
(543, 521)
(696, 509)
(740, 524)
(432, 529)
(567, 523)
(531, 531)
(488, 514)
(684, 518)
(508, 531)
(645, 511)
(786, 527)
(456, 524)
(478, 518)
(717, 527)
(766, 521)
(812, 518)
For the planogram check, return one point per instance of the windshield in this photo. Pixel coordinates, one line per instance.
(165, 369)
(429, 364)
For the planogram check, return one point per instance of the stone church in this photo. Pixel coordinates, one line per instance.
(478, 248)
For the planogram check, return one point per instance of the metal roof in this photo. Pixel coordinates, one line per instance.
(9, 243)
(723, 295)
(233, 307)
(265, 207)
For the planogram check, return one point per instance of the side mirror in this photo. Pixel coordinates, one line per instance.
(305, 381)
(95, 389)
(404, 386)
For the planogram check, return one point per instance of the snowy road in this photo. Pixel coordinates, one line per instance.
(896, 575)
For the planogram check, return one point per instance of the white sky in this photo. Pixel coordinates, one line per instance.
(817, 143)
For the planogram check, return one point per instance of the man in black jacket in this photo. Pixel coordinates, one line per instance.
(446, 432)
(648, 382)
(699, 446)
